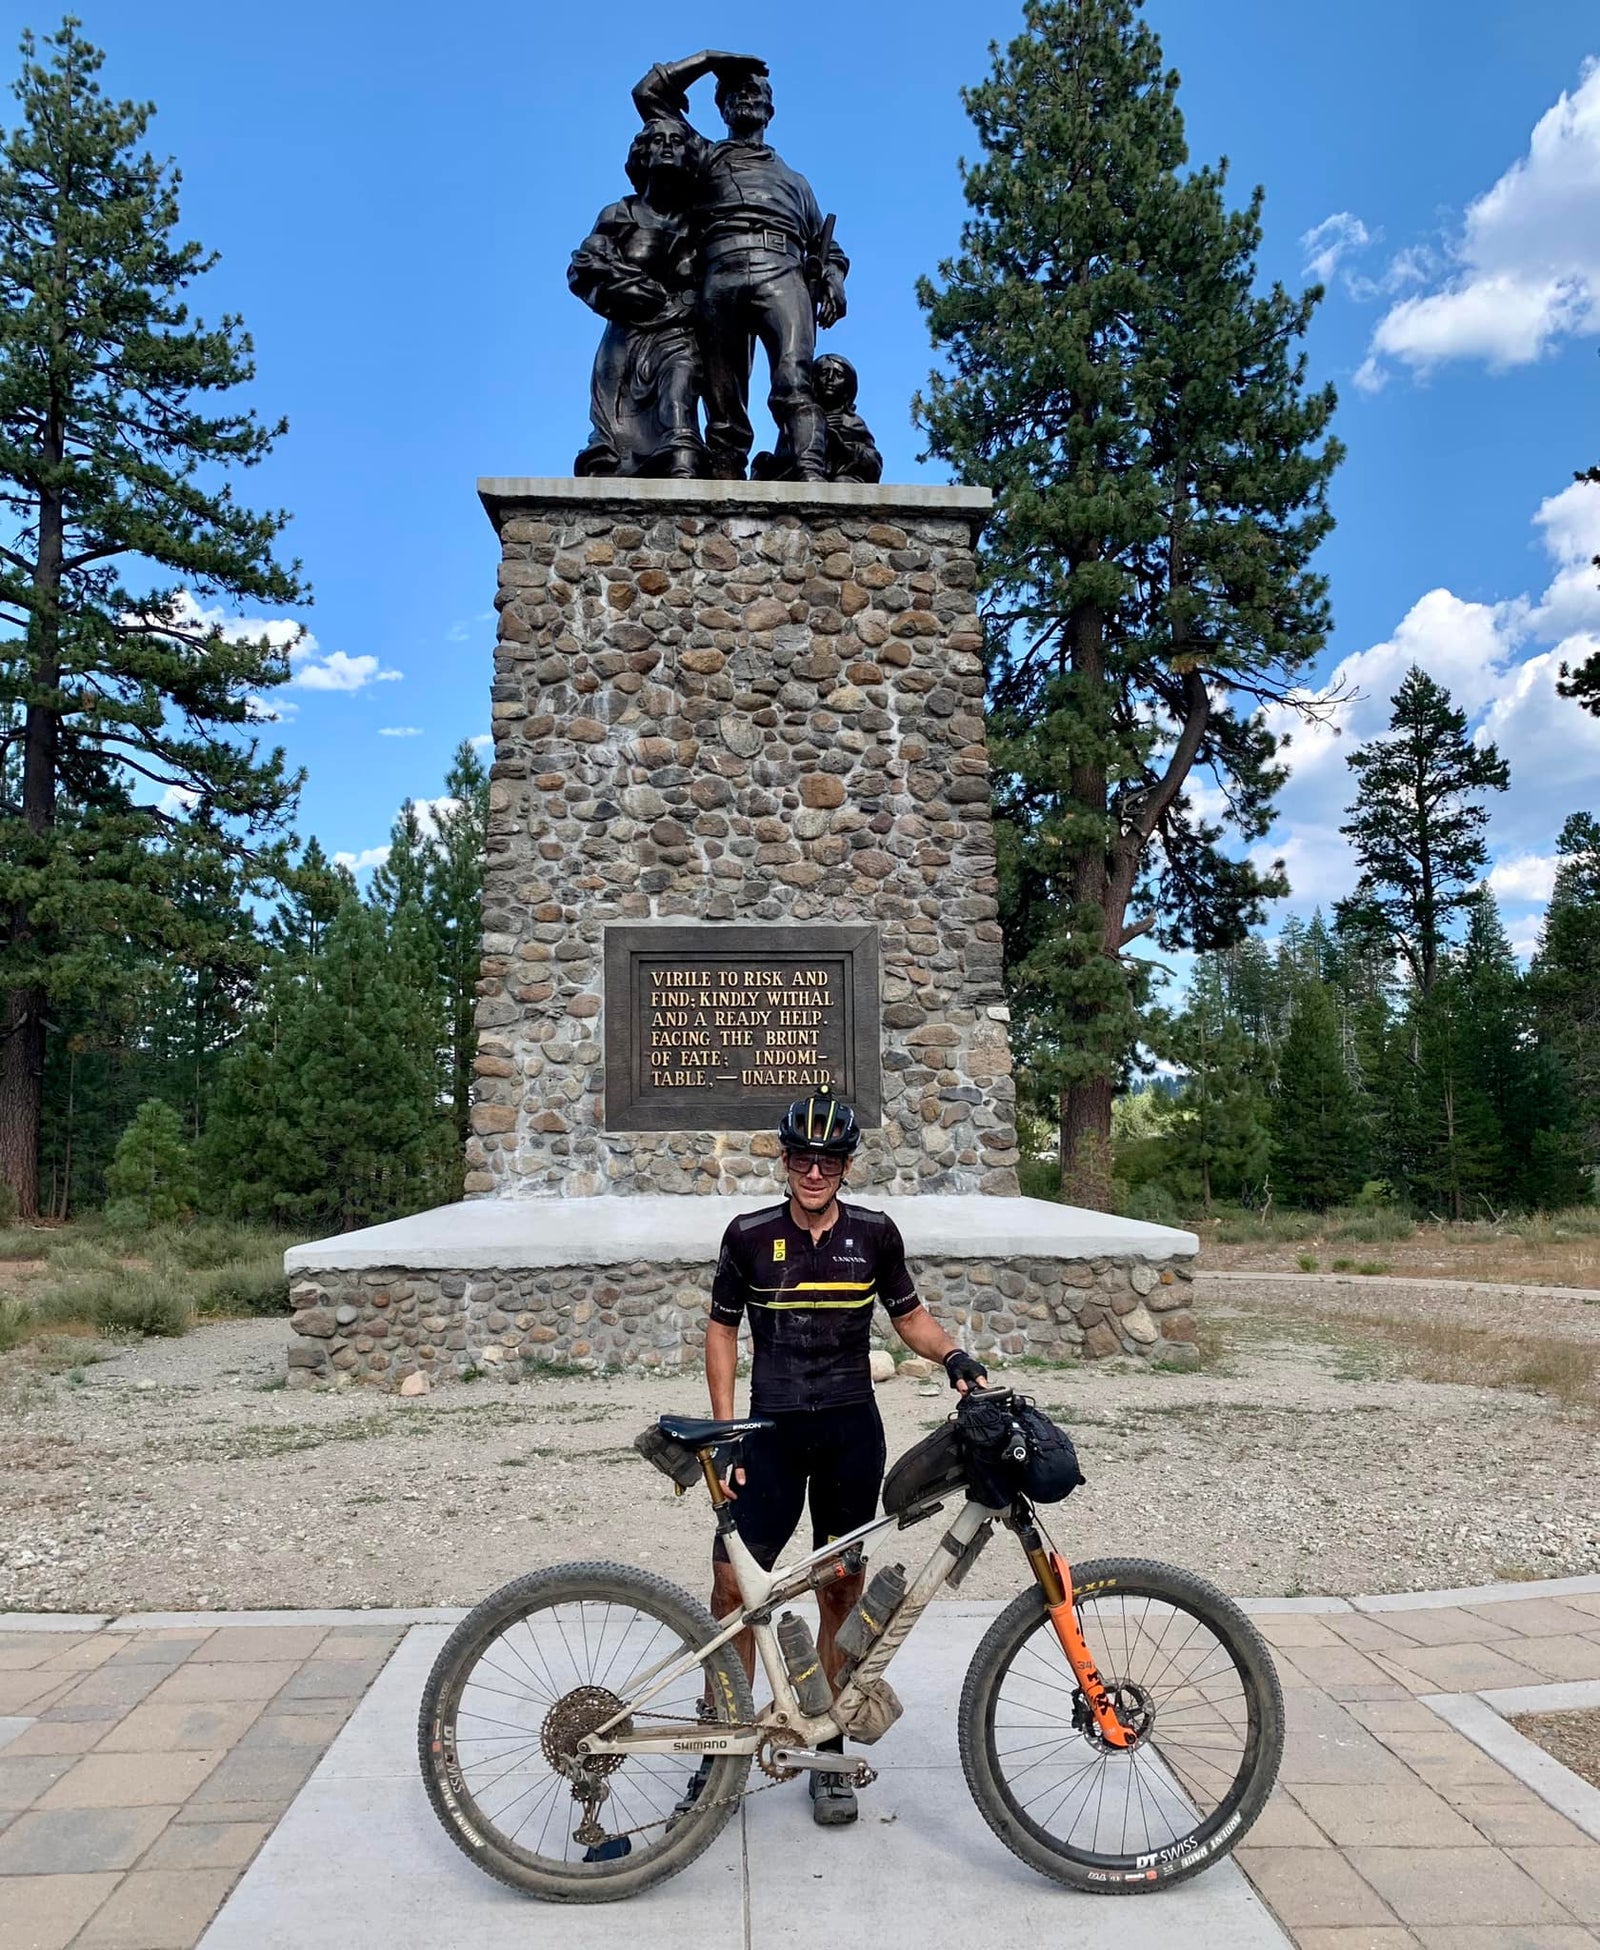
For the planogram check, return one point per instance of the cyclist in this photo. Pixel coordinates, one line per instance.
(805, 1274)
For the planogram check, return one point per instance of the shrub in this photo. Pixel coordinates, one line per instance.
(139, 1303)
(16, 1323)
(1370, 1225)
(255, 1287)
(152, 1175)
(1151, 1202)
(1039, 1177)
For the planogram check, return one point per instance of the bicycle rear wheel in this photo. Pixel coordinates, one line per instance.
(1186, 1667)
(530, 1671)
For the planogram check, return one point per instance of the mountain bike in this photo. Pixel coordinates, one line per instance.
(1120, 1725)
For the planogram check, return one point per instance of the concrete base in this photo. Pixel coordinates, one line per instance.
(687, 1232)
(624, 1282)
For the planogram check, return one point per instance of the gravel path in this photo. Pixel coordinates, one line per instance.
(179, 1474)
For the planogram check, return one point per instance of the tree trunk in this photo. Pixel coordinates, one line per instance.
(22, 1067)
(1086, 1144)
(22, 1097)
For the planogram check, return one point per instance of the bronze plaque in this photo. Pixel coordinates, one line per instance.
(720, 1028)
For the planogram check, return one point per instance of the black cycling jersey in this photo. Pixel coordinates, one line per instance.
(810, 1305)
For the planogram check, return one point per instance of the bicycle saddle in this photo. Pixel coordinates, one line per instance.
(705, 1435)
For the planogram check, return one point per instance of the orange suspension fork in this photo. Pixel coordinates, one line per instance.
(1055, 1579)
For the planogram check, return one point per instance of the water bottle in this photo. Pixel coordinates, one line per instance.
(872, 1612)
(813, 1695)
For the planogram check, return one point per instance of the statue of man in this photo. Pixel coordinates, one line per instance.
(769, 268)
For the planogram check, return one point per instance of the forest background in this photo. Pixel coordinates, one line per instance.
(228, 1021)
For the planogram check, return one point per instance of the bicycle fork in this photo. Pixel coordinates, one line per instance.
(1055, 1581)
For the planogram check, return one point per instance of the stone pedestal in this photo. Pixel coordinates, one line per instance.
(745, 720)
(737, 702)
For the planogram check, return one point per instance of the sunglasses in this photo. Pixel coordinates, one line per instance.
(803, 1163)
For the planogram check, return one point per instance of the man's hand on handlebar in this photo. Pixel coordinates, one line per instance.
(965, 1370)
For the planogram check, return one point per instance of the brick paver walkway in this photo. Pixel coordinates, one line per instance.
(141, 1769)
(1389, 1829)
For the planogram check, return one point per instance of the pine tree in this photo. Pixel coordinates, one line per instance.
(1318, 1144)
(1417, 825)
(310, 894)
(126, 708)
(152, 1179)
(403, 876)
(1583, 684)
(1139, 409)
(454, 899)
(1565, 977)
(1453, 1144)
(329, 1114)
(1220, 1137)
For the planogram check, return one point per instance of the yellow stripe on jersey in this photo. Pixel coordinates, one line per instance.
(812, 1306)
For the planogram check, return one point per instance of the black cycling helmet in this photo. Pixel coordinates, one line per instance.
(822, 1123)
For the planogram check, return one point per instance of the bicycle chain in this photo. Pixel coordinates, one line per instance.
(700, 1801)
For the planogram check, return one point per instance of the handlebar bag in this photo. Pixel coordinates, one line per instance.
(1012, 1449)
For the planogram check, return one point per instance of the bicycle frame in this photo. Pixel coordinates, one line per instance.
(762, 1592)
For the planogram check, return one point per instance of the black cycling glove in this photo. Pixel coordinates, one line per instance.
(726, 1458)
(961, 1366)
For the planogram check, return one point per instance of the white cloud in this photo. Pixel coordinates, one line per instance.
(484, 742)
(400, 731)
(1524, 877)
(337, 671)
(176, 801)
(1500, 662)
(309, 669)
(1328, 243)
(1526, 267)
(370, 856)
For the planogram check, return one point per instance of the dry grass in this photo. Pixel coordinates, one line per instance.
(1555, 1249)
(1442, 1350)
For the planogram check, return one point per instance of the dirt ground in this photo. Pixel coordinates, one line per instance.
(1307, 1457)
(1573, 1738)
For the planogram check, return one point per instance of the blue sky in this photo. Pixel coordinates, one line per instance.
(395, 190)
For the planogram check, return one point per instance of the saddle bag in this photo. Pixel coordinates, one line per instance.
(670, 1457)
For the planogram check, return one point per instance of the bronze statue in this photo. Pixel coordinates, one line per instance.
(852, 454)
(637, 269)
(769, 268)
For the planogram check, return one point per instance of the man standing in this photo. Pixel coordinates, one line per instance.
(806, 1273)
(769, 268)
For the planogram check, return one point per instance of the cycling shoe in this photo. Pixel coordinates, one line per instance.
(612, 1849)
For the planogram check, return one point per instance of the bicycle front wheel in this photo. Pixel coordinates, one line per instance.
(524, 1677)
(1186, 1668)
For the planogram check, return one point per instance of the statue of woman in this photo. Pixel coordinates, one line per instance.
(637, 270)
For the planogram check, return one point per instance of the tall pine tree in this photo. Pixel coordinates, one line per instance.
(1139, 408)
(127, 709)
(1566, 977)
(454, 899)
(329, 1115)
(1417, 825)
(1318, 1142)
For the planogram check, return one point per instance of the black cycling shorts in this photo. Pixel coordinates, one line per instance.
(834, 1456)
